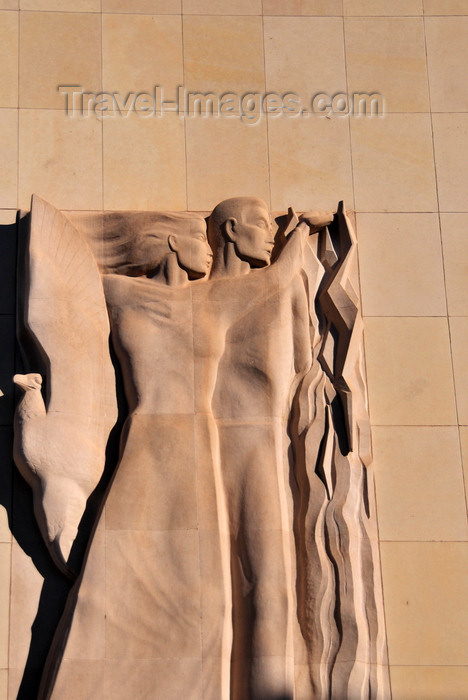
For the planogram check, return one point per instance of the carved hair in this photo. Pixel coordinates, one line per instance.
(136, 243)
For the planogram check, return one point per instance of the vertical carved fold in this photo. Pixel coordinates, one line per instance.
(343, 624)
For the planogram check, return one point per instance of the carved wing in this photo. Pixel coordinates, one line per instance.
(65, 333)
(67, 317)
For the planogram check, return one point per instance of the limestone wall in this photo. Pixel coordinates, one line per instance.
(403, 173)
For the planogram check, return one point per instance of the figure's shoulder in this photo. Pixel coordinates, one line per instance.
(124, 290)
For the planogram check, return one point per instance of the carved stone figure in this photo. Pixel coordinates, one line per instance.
(234, 554)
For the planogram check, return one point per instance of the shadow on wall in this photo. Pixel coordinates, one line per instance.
(15, 494)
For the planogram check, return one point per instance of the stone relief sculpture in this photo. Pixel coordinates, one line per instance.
(234, 554)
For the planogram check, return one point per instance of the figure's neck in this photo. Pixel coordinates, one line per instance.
(170, 273)
(228, 264)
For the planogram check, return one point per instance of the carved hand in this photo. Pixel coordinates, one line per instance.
(316, 219)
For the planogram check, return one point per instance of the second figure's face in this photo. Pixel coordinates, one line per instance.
(253, 236)
(193, 252)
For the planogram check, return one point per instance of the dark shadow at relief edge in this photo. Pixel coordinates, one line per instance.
(15, 493)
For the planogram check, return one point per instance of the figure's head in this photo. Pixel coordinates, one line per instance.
(245, 222)
(28, 382)
(191, 247)
(136, 246)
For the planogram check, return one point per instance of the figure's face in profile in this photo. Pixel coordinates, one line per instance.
(254, 240)
(193, 251)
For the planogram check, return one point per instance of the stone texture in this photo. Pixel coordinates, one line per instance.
(393, 163)
(402, 273)
(61, 5)
(151, 7)
(459, 338)
(446, 50)
(136, 146)
(445, 7)
(9, 153)
(80, 167)
(228, 7)
(5, 570)
(210, 67)
(429, 682)
(455, 249)
(419, 480)
(204, 550)
(238, 159)
(49, 141)
(382, 7)
(388, 55)
(426, 619)
(302, 7)
(60, 449)
(317, 147)
(9, 59)
(409, 371)
(26, 583)
(450, 134)
(312, 67)
(133, 45)
(464, 453)
(51, 52)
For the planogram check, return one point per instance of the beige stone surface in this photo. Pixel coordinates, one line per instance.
(425, 595)
(445, 7)
(143, 162)
(51, 54)
(138, 51)
(227, 7)
(198, 555)
(176, 677)
(9, 59)
(446, 52)
(5, 534)
(388, 55)
(7, 216)
(9, 155)
(313, 66)
(230, 57)
(135, 588)
(5, 571)
(62, 277)
(302, 7)
(309, 165)
(85, 648)
(49, 142)
(459, 339)
(429, 682)
(152, 7)
(455, 249)
(393, 163)
(61, 5)
(450, 135)
(409, 371)
(4, 684)
(26, 584)
(319, 149)
(401, 265)
(234, 157)
(382, 7)
(419, 483)
(464, 453)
